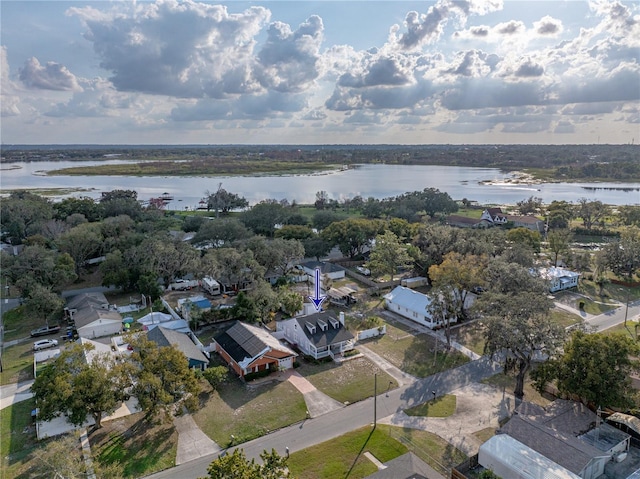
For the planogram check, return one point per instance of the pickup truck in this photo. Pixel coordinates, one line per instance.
(44, 331)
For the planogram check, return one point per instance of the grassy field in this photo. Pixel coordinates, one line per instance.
(322, 461)
(470, 335)
(420, 355)
(17, 363)
(17, 439)
(443, 406)
(350, 381)
(247, 412)
(140, 447)
(564, 318)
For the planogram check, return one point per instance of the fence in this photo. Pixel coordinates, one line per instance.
(460, 471)
(372, 333)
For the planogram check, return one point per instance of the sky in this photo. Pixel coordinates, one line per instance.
(320, 72)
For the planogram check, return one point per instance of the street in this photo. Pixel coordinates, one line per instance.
(339, 422)
(616, 316)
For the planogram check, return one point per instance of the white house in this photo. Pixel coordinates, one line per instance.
(326, 269)
(318, 335)
(412, 305)
(92, 316)
(559, 278)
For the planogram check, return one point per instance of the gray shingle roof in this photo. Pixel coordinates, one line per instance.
(407, 466)
(332, 334)
(168, 337)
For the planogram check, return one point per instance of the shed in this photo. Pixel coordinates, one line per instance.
(507, 457)
(414, 282)
(182, 342)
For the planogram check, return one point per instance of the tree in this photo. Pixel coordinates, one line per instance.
(220, 233)
(231, 267)
(559, 241)
(216, 375)
(81, 243)
(629, 215)
(264, 298)
(299, 232)
(526, 237)
(559, 214)
(518, 329)
(623, 256)
(443, 308)
(38, 265)
(594, 367)
(121, 202)
(44, 302)
(161, 376)
(322, 219)
(322, 200)
(22, 214)
(388, 254)
(264, 217)
(74, 385)
(222, 201)
(236, 466)
(352, 235)
(167, 259)
(591, 212)
(316, 247)
(461, 274)
(290, 301)
(530, 206)
(84, 206)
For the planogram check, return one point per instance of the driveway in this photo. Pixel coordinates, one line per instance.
(318, 403)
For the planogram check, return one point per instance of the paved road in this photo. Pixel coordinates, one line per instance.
(334, 424)
(615, 316)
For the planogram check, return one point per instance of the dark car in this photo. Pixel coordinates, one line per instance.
(44, 331)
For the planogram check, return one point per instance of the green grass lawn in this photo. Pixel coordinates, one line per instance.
(629, 329)
(485, 434)
(343, 457)
(384, 443)
(415, 354)
(17, 438)
(141, 447)
(17, 363)
(18, 323)
(443, 406)
(249, 412)
(592, 307)
(610, 291)
(564, 318)
(349, 381)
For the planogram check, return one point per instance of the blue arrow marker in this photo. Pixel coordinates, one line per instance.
(317, 301)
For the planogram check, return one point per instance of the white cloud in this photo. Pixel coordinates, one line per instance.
(548, 26)
(51, 76)
(8, 97)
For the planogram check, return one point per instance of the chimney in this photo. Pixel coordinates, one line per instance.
(342, 317)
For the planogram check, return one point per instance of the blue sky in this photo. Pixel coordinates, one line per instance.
(320, 72)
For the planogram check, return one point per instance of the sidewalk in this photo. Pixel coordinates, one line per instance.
(400, 376)
(15, 392)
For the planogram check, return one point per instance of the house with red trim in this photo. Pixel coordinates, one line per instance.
(250, 349)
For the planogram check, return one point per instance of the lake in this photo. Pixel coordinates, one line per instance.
(378, 181)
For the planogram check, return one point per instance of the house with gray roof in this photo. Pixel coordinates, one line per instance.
(407, 466)
(318, 335)
(92, 315)
(330, 270)
(568, 434)
(181, 341)
(250, 349)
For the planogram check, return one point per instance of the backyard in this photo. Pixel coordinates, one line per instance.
(420, 355)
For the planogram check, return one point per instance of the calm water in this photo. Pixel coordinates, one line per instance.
(378, 181)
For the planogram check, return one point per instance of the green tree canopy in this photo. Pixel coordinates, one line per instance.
(237, 466)
(79, 387)
(594, 367)
(352, 235)
(526, 237)
(388, 254)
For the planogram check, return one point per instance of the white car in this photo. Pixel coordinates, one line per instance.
(363, 270)
(44, 344)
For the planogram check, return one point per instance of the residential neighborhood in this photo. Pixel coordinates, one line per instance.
(454, 347)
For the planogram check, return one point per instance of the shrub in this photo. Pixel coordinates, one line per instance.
(216, 375)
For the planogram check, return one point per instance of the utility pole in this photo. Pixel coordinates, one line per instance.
(375, 399)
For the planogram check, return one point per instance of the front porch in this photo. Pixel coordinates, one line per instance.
(333, 350)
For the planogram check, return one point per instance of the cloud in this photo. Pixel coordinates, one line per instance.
(509, 28)
(490, 93)
(97, 98)
(8, 98)
(290, 60)
(52, 76)
(474, 63)
(529, 68)
(427, 28)
(186, 49)
(564, 127)
(548, 26)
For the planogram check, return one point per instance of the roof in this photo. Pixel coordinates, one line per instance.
(333, 333)
(99, 349)
(85, 316)
(407, 466)
(340, 292)
(176, 325)
(628, 420)
(244, 342)
(167, 337)
(554, 272)
(324, 266)
(457, 219)
(84, 300)
(529, 220)
(409, 299)
(515, 454)
(154, 317)
(563, 449)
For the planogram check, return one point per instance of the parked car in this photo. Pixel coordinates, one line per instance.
(364, 271)
(44, 331)
(44, 344)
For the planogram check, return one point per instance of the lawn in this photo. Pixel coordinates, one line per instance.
(564, 318)
(17, 363)
(384, 443)
(443, 406)
(247, 412)
(470, 335)
(323, 461)
(349, 381)
(18, 323)
(507, 383)
(420, 355)
(17, 438)
(631, 328)
(611, 292)
(141, 447)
